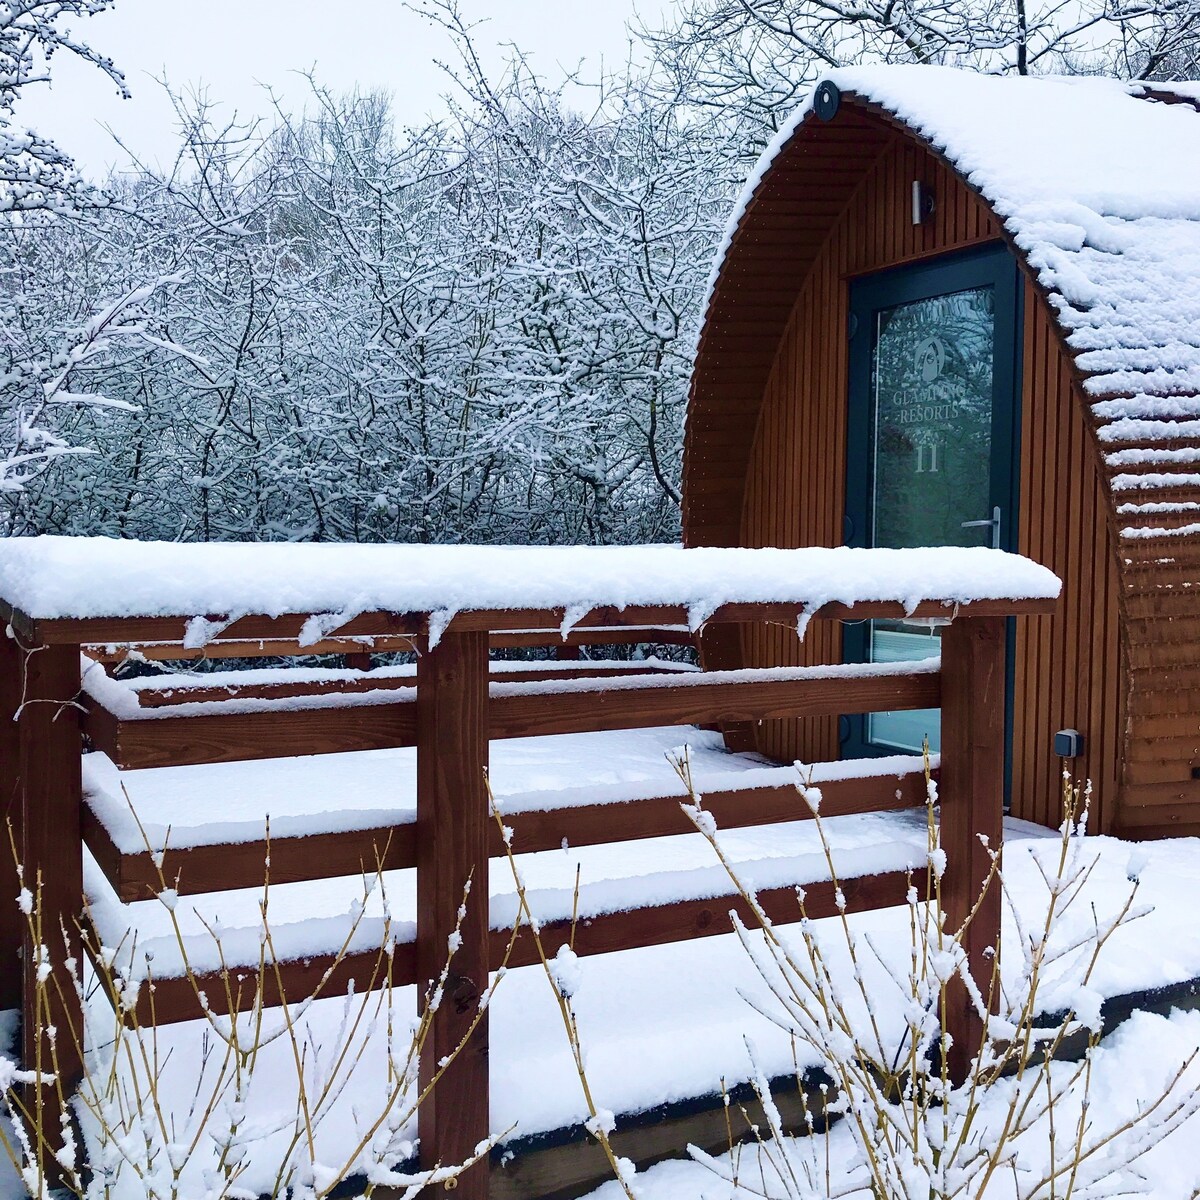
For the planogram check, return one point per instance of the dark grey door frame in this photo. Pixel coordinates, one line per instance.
(992, 265)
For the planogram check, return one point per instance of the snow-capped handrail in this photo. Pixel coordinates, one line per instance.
(62, 590)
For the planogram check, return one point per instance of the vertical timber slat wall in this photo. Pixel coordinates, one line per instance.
(1068, 668)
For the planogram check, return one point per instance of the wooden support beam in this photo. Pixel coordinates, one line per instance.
(720, 648)
(132, 630)
(686, 919)
(537, 713)
(239, 737)
(972, 810)
(227, 867)
(12, 922)
(52, 856)
(742, 808)
(220, 868)
(515, 711)
(452, 848)
(173, 998)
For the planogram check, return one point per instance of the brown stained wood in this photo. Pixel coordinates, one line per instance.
(687, 919)
(602, 824)
(126, 631)
(52, 855)
(786, 487)
(972, 808)
(169, 1000)
(540, 713)
(452, 853)
(174, 999)
(240, 737)
(225, 867)
(523, 710)
(11, 920)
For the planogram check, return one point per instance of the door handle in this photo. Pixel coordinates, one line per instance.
(993, 521)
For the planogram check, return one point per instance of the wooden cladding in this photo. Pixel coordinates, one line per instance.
(1132, 689)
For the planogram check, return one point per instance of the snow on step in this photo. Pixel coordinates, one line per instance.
(314, 918)
(680, 1011)
(370, 789)
(226, 802)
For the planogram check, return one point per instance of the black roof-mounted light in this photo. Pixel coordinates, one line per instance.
(827, 100)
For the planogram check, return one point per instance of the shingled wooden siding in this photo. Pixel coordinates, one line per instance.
(1066, 669)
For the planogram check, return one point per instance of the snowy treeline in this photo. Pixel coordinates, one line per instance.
(329, 326)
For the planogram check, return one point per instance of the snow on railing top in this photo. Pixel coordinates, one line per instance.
(48, 578)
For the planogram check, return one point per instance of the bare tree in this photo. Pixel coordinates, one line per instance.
(750, 62)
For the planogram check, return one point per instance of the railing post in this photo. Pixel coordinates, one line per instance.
(52, 856)
(972, 807)
(719, 645)
(452, 846)
(12, 922)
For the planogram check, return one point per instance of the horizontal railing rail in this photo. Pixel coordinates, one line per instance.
(223, 866)
(227, 731)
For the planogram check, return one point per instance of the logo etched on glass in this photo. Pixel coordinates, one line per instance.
(929, 358)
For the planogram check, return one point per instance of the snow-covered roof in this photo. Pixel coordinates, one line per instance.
(1098, 183)
(54, 577)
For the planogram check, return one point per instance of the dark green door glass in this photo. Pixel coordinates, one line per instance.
(931, 444)
(931, 435)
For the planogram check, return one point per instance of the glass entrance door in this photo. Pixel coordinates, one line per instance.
(931, 441)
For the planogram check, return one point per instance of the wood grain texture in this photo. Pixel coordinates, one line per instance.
(174, 998)
(282, 633)
(226, 867)
(687, 919)
(541, 713)
(453, 819)
(11, 920)
(50, 766)
(327, 855)
(519, 710)
(971, 791)
(239, 737)
(785, 485)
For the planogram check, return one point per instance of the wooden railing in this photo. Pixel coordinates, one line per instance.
(455, 708)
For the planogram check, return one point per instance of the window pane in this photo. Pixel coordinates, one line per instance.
(932, 388)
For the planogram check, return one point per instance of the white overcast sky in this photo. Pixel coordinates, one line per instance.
(235, 47)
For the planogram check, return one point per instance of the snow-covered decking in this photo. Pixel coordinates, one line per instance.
(227, 803)
(681, 1014)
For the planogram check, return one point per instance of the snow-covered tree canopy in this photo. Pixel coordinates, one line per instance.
(327, 327)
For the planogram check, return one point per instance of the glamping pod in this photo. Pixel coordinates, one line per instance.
(963, 309)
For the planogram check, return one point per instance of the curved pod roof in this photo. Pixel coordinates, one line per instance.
(1096, 185)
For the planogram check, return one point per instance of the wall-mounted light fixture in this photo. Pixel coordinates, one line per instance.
(922, 202)
(1068, 743)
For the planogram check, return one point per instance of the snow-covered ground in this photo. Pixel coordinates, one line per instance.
(1131, 1063)
(659, 1024)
